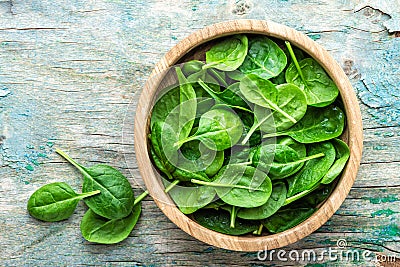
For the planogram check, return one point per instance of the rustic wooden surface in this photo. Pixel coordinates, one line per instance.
(69, 71)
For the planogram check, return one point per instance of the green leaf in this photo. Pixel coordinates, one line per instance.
(190, 199)
(264, 59)
(230, 95)
(116, 198)
(273, 204)
(97, 229)
(298, 147)
(286, 219)
(264, 93)
(342, 156)
(167, 102)
(256, 186)
(192, 66)
(279, 161)
(227, 55)
(290, 100)
(307, 74)
(187, 105)
(218, 129)
(313, 170)
(55, 202)
(220, 221)
(317, 125)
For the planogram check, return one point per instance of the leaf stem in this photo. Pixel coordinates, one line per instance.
(273, 134)
(140, 197)
(145, 193)
(213, 184)
(300, 195)
(278, 109)
(296, 63)
(254, 128)
(89, 194)
(170, 186)
(70, 160)
(259, 231)
(319, 155)
(233, 216)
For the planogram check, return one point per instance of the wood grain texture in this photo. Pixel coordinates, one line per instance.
(69, 72)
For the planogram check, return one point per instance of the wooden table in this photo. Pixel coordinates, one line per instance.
(69, 71)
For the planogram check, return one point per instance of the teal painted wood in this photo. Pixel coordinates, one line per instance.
(69, 71)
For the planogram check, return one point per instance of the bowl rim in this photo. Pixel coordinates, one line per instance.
(353, 136)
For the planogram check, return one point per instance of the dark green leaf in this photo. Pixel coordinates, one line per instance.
(273, 204)
(313, 170)
(318, 87)
(220, 221)
(240, 175)
(97, 229)
(55, 202)
(342, 156)
(227, 55)
(286, 219)
(116, 198)
(264, 59)
(317, 125)
(190, 199)
(264, 93)
(218, 129)
(187, 106)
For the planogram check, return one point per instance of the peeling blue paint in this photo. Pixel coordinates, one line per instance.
(378, 89)
(385, 199)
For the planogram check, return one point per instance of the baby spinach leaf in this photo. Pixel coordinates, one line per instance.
(298, 147)
(116, 198)
(187, 105)
(55, 202)
(279, 161)
(198, 157)
(230, 95)
(205, 76)
(318, 124)
(264, 59)
(185, 175)
(307, 74)
(314, 169)
(159, 151)
(264, 93)
(239, 155)
(342, 156)
(302, 194)
(250, 136)
(273, 204)
(166, 103)
(319, 194)
(250, 187)
(290, 99)
(192, 66)
(220, 221)
(160, 165)
(227, 55)
(97, 229)
(235, 75)
(218, 129)
(286, 219)
(190, 199)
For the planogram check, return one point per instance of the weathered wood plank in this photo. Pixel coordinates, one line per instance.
(69, 69)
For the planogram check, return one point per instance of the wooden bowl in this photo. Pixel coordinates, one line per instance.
(352, 135)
